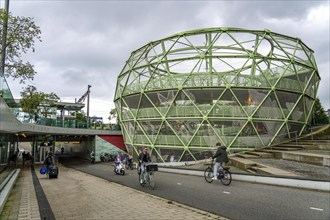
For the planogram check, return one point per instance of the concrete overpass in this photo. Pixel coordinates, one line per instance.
(43, 138)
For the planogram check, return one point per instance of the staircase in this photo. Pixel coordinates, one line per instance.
(292, 150)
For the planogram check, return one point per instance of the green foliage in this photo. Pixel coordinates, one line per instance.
(80, 116)
(319, 115)
(21, 35)
(34, 102)
(113, 114)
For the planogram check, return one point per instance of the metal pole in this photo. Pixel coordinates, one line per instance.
(4, 39)
(88, 91)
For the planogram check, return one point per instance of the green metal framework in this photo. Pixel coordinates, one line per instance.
(244, 88)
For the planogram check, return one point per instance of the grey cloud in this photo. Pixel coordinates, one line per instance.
(88, 42)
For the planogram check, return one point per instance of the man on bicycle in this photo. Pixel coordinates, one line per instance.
(143, 158)
(221, 157)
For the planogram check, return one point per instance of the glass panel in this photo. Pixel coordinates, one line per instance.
(183, 107)
(132, 103)
(298, 112)
(227, 106)
(281, 136)
(140, 137)
(202, 154)
(224, 129)
(185, 129)
(269, 109)
(287, 100)
(294, 129)
(250, 98)
(146, 109)
(151, 128)
(170, 154)
(167, 136)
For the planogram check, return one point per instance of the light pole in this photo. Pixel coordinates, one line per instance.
(88, 94)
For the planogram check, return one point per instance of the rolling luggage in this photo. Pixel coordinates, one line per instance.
(53, 172)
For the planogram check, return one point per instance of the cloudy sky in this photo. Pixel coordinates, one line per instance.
(88, 42)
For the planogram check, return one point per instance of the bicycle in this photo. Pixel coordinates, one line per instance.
(149, 170)
(224, 175)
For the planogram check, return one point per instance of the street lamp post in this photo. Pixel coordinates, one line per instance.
(88, 94)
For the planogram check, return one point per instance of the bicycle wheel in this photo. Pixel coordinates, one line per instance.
(225, 177)
(151, 181)
(208, 174)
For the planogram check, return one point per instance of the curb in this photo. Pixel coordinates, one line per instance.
(7, 187)
(278, 181)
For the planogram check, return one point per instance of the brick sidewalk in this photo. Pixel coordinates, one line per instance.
(76, 195)
(22, 202)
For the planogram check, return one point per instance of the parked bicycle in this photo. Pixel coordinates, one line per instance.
(224, 175)
(149, 172)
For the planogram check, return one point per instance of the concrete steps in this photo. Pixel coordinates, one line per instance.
(262, 169)
(256, 168)
(260, 154)
(244, 155)
(287, 148)
(310, 158)
(241, 163)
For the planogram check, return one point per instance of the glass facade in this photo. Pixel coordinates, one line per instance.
(247, 89)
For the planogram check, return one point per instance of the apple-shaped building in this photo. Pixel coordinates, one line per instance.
(246, 89)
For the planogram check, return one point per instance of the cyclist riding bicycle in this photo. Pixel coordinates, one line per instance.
(143, 158)
(221, 157)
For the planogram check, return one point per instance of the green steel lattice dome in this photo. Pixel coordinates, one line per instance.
(247, 89)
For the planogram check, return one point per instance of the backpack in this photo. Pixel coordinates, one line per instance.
(49, 160)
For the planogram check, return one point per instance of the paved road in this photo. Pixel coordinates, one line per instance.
(240, 200)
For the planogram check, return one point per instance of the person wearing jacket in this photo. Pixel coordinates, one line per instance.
(143, 158)
(49, 161)
(221, 157)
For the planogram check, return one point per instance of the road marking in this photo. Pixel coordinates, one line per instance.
(225, 192)
(179, 184)
(313, 208)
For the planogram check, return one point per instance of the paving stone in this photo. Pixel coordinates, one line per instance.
(76, 195)
(71, 194)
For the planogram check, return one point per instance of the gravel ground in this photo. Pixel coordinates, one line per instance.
(305, 170)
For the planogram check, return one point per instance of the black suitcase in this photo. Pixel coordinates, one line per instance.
(53, 172)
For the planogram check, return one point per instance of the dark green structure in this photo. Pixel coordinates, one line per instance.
(244, 88)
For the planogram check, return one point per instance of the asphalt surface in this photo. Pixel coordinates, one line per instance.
(240, 200)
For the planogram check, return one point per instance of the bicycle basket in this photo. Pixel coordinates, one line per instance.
(152, 167)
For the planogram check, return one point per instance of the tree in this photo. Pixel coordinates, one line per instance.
(21, 36)
(34, 102)
(81, 118)
(319, 115)
(113, 114)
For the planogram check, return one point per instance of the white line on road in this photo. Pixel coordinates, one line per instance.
(225, 192)
(179, 184)
(316, 209)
